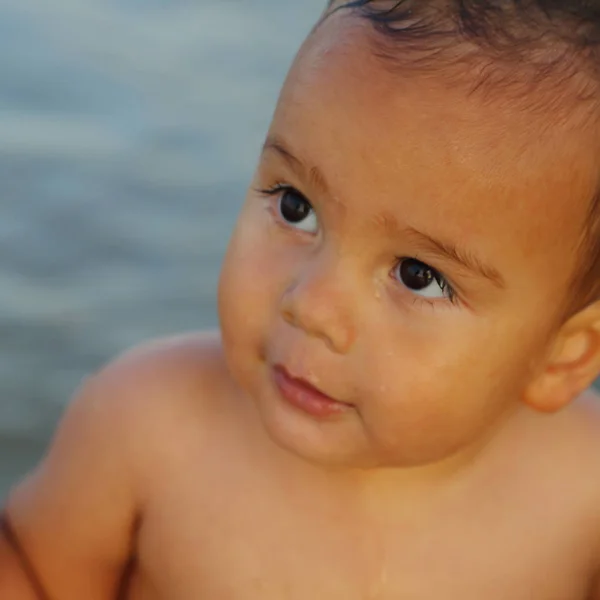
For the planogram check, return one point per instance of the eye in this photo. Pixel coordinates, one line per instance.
(296, 210)
(422, 280)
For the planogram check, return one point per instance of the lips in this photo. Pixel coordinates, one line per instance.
(304, 396)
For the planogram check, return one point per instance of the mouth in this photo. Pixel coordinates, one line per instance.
(305, 397)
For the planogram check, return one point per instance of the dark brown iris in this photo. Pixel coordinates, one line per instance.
(294, 207)
(416, 275)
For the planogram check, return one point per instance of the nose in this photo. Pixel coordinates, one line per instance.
(318, 302)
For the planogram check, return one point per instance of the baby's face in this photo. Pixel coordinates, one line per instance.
(405, 248)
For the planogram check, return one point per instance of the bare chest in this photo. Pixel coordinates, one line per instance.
(246, 547)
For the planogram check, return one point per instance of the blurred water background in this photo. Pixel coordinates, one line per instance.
(129, 130)
(128, 133)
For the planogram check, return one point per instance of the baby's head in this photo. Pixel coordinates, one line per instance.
(422, 237)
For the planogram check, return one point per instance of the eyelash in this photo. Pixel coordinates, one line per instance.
(278, 188)
(448, 289)
(443, 282)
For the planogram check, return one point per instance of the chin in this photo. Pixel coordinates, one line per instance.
(336, 444)
(344, 444)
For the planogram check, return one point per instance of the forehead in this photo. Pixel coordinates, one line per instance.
(424, 151)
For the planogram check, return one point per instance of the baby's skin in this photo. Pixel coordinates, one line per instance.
(395, 404)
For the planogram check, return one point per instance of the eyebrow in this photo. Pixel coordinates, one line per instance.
(461, 256)
(315, 175)
(449, 251)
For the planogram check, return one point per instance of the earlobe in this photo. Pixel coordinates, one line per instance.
(572, 366)
(553, 389)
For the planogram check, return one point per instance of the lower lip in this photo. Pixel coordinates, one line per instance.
(306, 398)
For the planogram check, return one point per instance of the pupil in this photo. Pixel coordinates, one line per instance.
(294, 208)
(416, 275)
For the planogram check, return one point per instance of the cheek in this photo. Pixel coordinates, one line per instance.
(456, 353)
(439, 390)
(247, 294)
(242, 283)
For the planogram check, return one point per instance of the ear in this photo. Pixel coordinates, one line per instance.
(572, 365)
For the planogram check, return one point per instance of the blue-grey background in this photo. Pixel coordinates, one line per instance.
(129, 130)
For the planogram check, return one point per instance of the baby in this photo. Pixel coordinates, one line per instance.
(395, 406)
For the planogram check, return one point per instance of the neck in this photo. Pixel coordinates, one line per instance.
(381, 480)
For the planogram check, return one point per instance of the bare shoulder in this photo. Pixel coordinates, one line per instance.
(587, 409)
(147, 383)
(590, 396)
(566, 447)
(585, 413)
(194, 354)
(582, 439)
(167, 389)
(102, 464)
(577, 432)
(165, 373)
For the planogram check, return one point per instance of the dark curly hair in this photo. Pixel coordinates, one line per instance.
(524, 45)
